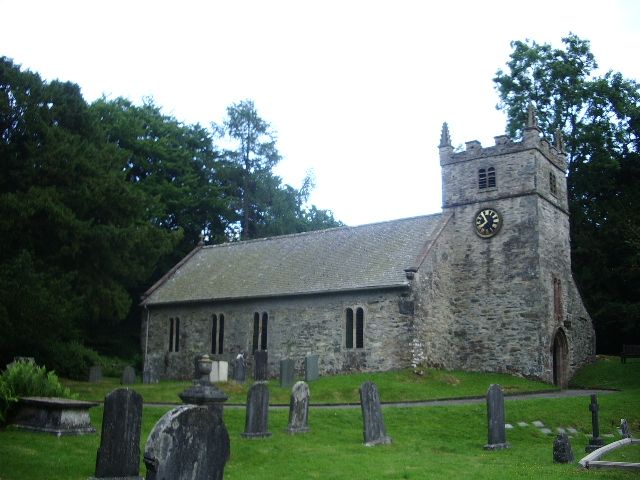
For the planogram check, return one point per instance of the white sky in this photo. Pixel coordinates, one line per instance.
(357, 90)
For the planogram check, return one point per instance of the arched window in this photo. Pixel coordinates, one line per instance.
(359, 328)
(174, 334)
(348, 331)
(260, 331)
(354, 328)
(217, 333)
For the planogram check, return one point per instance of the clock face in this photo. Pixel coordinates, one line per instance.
(488, 222)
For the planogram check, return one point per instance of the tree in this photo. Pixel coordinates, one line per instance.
(265, 206)
(174, 163)
(75, 234)
(599, 119)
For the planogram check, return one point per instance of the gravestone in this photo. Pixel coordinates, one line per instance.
(260, 360)
(562, 452)
(128, 376)
(374, 430)
(95, 374)
(299, 409)
(624, 428)
(149, 376)
(119, 452)
(219, 371)
(257, 418)
(495, 419)
(311, 368)
(240, 369)
(595, 442)
(287, 371)
(188, 443)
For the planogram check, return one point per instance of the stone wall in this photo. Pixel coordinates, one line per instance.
(297, 326)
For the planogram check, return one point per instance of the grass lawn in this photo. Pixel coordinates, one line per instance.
(394, 386)
(428, 442)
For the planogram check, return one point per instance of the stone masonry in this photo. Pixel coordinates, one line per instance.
(507, 303)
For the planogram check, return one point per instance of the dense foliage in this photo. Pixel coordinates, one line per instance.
(98, 200)
(599, 117)
(26, 379)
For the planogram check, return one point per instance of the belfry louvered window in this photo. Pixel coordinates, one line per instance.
(486, 178)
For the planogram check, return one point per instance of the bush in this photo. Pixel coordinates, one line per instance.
(71, 360)
(26, 379)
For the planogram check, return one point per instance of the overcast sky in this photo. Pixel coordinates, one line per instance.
(357, 90)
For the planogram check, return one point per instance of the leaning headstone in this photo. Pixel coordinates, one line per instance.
(188, 443)
(562, 452)
(311, 368)
(299, 409)
(624, 428)
(595, 442)
(119, 452)
(128, 376)
(374, 430)
(495, 419)
(95, 374)
(257, 420)
(240, 369)
(287, 370)
(260, 361)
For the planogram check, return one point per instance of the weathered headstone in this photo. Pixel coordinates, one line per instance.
(119, 452)
(128, 376)
(299, 409)
(260, 361)
(624, 428)
(257, 420)
(374, 430)
(240, 369)
(188, 443)
(95, 374)
(562, 452)
(495, 419)
(149, 376)
(287, 371)
(595, 442)
(311, 368)
(203, 392)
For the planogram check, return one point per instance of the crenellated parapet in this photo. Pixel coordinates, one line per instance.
(531, 139)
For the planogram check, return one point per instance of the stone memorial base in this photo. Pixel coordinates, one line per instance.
(57, 416)
(255, 435)
(496, 446)
(117, 478)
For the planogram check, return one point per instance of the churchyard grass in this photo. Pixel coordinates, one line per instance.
(428, 442)
(394, 386)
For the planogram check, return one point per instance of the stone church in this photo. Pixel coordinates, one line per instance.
(486, 285)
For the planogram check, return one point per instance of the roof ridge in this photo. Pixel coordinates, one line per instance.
(316, 232)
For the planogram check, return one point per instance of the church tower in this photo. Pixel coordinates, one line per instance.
(515, 304)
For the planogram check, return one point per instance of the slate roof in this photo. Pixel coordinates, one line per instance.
(332, 260)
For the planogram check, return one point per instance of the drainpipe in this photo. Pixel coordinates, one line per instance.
(146, 339)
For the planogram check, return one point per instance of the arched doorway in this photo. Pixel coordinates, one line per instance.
(560, 350)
